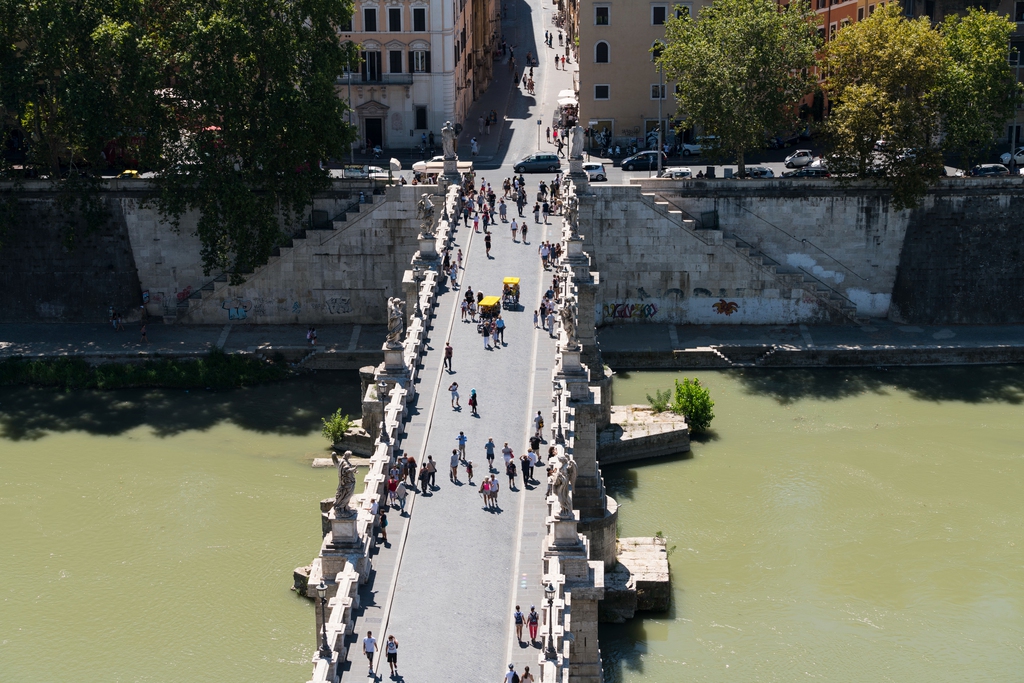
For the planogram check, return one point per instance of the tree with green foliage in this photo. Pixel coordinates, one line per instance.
(742, 67)
(252, 112)
(693, 401)
(336, 426)
(977, 91)
(883, 75)
(233, 104)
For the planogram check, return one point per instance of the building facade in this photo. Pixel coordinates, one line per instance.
(619, 84)
(422, 62)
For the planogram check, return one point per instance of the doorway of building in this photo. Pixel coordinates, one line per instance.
(375, 132)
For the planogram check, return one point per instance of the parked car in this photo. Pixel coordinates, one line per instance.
(676, 173)
(807, 172)
(644, 161)
(799, 158)
(698, 146)
(595, 170)
(538, 163)
(759, 172)
(421, 166)
(989, 170)
(1018, 157)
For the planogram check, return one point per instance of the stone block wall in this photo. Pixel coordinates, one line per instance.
(963, 262)
(653, 270)
(47, 278)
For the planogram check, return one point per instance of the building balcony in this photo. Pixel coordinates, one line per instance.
(383, 79)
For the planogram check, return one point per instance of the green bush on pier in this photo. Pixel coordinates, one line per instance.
(335, 426)
(217, 370)
(690, 399)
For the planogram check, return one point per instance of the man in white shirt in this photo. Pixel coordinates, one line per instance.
(511, 676)
(370, 648)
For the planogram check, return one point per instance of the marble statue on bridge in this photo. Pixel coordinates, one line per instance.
(564, 481)
(396, 322)
(346, 485)
(448, 140)
(425, 213)
(576, 150)
(568, 316)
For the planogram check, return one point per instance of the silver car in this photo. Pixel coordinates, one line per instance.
(595, 171)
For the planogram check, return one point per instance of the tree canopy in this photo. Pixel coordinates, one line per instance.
(903, 92)
(742, 68)
(232, 103)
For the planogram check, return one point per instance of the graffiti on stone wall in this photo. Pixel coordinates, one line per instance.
(296, 308)
(238, 309)
(338, 305)
(185, 293)
(629, 311)
(723, 307)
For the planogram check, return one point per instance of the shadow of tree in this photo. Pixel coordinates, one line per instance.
(967, 384)
(293, 407)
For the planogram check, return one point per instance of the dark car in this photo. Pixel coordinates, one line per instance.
(807, 172)
(644, 161)
(539, 163)
(990, 170)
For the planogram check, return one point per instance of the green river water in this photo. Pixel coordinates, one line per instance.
(837, 526)
(844, 526)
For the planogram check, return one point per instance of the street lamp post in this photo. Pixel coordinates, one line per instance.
(382, 389)
(656, 53)
(325, 649)
(417, 277)
(549, 592)
(559, 437)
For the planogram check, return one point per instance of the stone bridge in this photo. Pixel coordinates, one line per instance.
(447, 580)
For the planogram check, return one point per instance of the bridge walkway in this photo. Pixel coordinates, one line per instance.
(446, 583)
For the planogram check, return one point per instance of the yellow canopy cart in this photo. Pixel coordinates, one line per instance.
(510, 293)
(490, 307)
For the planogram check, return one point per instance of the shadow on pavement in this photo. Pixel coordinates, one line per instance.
(292, 407)
(968, 384)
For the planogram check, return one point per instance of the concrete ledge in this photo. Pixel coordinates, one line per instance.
(838, 356)
(637, 432)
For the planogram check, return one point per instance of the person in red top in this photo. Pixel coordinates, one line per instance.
(392, 487)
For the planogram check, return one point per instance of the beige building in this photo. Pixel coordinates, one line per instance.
(423, 62)
(619, 87)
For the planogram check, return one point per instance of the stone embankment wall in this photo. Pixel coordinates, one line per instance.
(53, 269)
(684, 251)
(342, 270)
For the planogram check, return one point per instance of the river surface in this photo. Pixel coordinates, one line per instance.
(151, 535)
(835, 525)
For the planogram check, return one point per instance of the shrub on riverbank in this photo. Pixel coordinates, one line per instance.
(217, 370)
(690, 399)
(335, 426)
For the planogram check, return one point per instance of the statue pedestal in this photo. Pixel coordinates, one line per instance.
(344, 532)
(570, 370)
(451, 171)
(428, 248)
(394, 360)
(576, 168)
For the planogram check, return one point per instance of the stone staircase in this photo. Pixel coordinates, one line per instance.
(788, 278)
(744, 356)
(352, 215)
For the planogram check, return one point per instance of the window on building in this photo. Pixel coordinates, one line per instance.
(395, 61)
(658, 14)
(419, 19)
(602, 92)
(822, 4)
(871, 10)
(821, 33)
(421, 118)
(371, 66)
(394, 18)
(844, 23)
(684, 10)
(657, 91)
(601, 51)
(347, 25)
(1018, 11)
(860, 14)
(370, 20)
(602, 15)
(419, 61)
(832, 31)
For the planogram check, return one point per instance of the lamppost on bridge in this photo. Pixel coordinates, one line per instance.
(417, 277)
(559, 437)
(549, 592)
(325, 649)
(382, 388)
